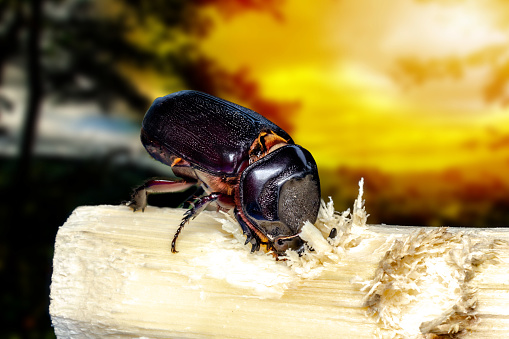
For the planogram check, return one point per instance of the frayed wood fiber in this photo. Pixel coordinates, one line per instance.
(114, 276)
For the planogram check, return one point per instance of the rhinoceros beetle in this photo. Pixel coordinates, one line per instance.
(240, 159)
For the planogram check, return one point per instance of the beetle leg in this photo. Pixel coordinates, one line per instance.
(255, 246)
(139, 197)
(245, 228)
(333, 233)
(251, 237)
(199, 205)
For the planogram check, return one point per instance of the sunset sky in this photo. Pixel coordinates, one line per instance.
(397, 85)
(412, 95)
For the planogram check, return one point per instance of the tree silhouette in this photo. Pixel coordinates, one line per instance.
(74, 50)
(77, 51)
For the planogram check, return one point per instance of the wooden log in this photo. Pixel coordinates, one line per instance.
(114, 276)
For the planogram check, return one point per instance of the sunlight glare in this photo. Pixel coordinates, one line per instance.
(437, 30)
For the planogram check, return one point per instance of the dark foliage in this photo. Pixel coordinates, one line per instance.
(73, 52)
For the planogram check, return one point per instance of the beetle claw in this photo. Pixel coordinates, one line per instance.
(249, 237)
(333, 233)
(138, 200)
(256, 246)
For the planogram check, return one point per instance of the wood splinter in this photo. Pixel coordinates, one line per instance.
(114, 275)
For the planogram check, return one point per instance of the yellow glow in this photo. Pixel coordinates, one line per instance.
(396, 85)
(438, 29)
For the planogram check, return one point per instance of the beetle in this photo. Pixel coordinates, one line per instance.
(240, 159)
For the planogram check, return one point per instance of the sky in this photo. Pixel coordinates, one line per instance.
(410, 94)
(397, 85)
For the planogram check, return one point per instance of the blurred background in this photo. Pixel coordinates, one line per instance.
(410, 94)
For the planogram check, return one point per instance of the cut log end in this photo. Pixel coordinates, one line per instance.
(114, 275)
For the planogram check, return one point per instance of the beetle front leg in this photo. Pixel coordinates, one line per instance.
(251, 237)
(139, 197)
(198, 205)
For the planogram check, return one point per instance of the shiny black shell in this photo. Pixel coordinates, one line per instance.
(280, 191)
(210, 133)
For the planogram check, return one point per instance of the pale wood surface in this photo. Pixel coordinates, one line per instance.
(114, 276)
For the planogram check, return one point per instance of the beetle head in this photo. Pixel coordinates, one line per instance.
(279, 192)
